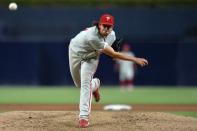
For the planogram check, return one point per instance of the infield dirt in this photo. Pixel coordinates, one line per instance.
(99, 121)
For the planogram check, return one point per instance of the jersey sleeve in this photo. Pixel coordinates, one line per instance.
(111, 38)
(98, 45)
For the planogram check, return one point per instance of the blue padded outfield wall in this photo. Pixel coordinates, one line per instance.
(34, 44)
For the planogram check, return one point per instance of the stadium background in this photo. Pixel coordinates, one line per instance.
(34, 41)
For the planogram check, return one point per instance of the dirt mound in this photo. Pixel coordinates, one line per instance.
(100, 120)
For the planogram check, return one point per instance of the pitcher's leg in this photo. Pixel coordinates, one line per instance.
(88, 69)
(75, 67)
(95, 84)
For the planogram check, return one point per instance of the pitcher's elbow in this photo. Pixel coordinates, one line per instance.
(114, 55)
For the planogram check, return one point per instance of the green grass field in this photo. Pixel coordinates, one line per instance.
(62, 95)
(110, 95)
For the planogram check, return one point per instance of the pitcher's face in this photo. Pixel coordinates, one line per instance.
(105, 30)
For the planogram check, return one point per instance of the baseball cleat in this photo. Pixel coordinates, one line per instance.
(83, 123)
(96, 93)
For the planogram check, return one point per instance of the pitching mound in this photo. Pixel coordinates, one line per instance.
(100, 120)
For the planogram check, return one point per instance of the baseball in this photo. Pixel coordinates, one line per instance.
(13, 6)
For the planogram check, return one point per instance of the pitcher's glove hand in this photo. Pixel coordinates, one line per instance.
(117, 44)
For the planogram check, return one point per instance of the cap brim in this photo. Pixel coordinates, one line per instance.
(105, 23)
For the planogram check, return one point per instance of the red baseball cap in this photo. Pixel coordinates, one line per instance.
(106, 19)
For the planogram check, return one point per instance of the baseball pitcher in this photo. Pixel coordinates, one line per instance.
(84, 51)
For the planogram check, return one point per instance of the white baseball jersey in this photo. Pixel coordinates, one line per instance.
(84, 51)
(88, 42)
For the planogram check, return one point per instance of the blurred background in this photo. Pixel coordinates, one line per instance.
(34, 43)
(34, 39)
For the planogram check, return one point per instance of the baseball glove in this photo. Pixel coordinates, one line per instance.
(117, 44)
